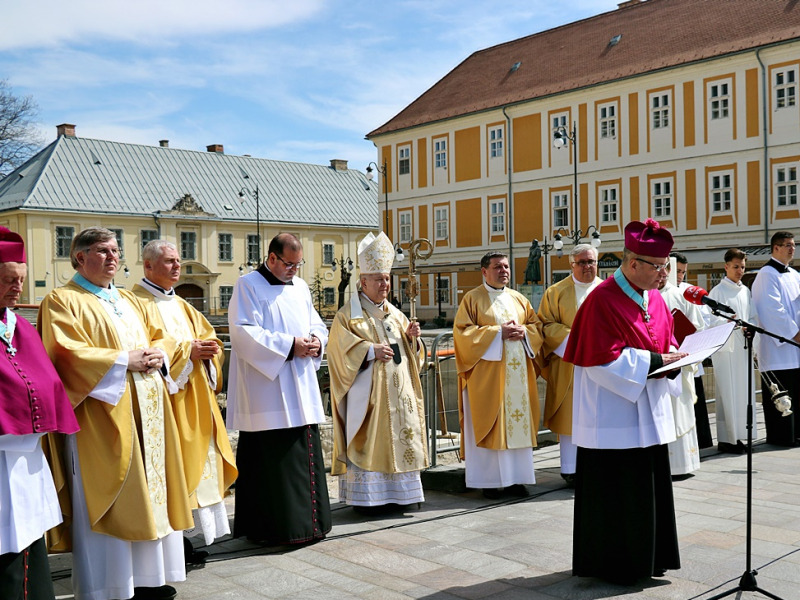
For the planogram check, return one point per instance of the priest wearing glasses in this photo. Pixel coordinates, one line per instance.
(129, 500)
(622, 418)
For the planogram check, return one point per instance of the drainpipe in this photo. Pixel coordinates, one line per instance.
(764, 98)
(510, 199)
(158, 224)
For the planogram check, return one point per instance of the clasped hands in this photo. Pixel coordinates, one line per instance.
(145, 360)
(204, 349)
(511, 331)
(307, 347)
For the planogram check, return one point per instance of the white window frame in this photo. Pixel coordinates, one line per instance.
(443, 290)
(786, 186)
(145, 237)
(328, 253)
(558, 121)
(560, 202)
(63, 240)
(440, 153)
(662, 198)
(441, 216)
(607, 120)
(404, 160)
(659, 110)
(120, 235)
(609, 205)
(721, 192)
(328, 296)
(225, 247)
(497, 217)
(188, 245)
(496, 142)
(251, 249)
(784, 82)
(719, 99)
(225, 294)
(404, 218)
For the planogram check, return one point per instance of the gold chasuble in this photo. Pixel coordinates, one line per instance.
(129, 454)
(504, 401)
(209, 464)
(378, 409)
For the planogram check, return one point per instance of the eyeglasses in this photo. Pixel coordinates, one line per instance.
(290, 265)
(658, 268)
(585, 263)
(107, 251)
(787, 245)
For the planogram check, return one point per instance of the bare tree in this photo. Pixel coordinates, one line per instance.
(19, 139)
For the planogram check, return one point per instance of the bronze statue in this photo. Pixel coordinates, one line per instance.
(533, 272)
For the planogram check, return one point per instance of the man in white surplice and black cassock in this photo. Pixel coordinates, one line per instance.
(731, 362)
(622, 418)
(277, 341)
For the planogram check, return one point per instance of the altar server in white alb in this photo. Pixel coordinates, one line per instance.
(277, 341)
(776, 295)
(197, 370)
(684, 452)
(731, 363)
(374, 356)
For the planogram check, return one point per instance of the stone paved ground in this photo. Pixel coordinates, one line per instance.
(462, 546)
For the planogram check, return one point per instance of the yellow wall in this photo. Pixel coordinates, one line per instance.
(468, 151)
(468, 223)
(527, 154)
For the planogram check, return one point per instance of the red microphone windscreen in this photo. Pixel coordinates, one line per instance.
(694, 294)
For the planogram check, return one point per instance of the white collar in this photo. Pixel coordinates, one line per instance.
(157, 290)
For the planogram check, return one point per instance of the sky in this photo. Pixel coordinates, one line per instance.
(294, 80)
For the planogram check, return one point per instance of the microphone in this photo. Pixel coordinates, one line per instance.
(697, 295)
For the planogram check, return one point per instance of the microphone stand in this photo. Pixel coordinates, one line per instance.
(747, 583)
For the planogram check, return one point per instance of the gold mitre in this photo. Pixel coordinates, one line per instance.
(375, 254)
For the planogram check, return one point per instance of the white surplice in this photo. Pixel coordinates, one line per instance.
(731, 366)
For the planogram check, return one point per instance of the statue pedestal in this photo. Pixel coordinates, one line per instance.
(532, 292)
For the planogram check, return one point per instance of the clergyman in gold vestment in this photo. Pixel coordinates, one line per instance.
(127, 495)
(497, 335)
(374, 358)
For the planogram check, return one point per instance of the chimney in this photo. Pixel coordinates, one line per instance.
(215, 148)
(163, 143)
(66, 129)
(337, 164)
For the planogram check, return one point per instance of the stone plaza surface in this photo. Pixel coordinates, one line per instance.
(462, 546)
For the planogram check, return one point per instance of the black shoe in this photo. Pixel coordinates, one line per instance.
(518, 490)
(659, 572)
(727, 448)
(492, 493)
(192, 556)
(682, 476)
(569, 478)
(164, 592)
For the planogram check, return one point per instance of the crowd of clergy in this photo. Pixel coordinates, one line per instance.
(112, 442)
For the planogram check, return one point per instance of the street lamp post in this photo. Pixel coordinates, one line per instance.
(383, 172)
(560, 138)
(546, 248)
(253, 195)
(347, 270)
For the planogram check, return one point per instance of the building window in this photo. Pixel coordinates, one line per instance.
(328, 253)
(496, 142)
(608, 121)
(404, 160)
(785, 88)
(440, 222)
(443, 284)
(440, 154)
(405, 226)
(118, 233)
(146, 236)
(328, 296)
(659, 107)
(559, 121)
(560, 210)
(188, 245)
(721, 193)
(225, 245)
(720, 100)
(253, 251)
(64, 237)
(609, 206)
(662, 199)
(786, 186)
(497, 213)
(225, 293)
